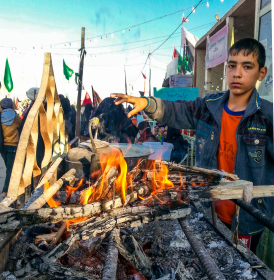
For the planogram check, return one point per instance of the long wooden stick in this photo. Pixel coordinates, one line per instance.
(59, 233)
(39, 202)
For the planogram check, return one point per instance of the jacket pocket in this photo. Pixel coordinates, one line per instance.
(255, 145)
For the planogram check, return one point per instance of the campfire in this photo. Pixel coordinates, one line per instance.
(87, 225)
(116, 220)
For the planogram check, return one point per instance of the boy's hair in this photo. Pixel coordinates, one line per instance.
(249, 46)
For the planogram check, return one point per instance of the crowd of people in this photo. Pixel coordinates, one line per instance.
(114, 126)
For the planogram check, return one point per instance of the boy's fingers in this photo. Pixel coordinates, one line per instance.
(120, 101)
(114, 95)
(133, 112)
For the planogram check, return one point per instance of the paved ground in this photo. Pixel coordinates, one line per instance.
(2, 175)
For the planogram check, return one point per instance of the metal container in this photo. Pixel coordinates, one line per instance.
(132, 153)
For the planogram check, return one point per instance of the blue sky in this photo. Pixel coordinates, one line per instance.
(27, 24)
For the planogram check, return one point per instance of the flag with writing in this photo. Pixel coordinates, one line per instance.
(96, 98)
(7, 77)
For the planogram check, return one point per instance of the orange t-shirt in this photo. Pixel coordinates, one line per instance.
(225, 209)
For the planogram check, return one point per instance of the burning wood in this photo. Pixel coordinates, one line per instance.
(127, 217)
(152, 191)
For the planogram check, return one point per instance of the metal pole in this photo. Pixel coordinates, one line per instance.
(256, 213)
(207, 262)
(150, 70)
(80, 84)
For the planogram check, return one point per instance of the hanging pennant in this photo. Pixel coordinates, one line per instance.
(67, 71)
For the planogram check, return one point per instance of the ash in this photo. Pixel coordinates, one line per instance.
(179, 260)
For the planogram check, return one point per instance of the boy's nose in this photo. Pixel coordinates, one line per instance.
(238, 72)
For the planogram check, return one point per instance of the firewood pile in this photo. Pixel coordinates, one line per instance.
(121, 225)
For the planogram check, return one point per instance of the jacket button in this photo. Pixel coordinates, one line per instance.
(260, 201)
(257, 141)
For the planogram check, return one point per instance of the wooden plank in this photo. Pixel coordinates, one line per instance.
(38, 202)
(52, 128)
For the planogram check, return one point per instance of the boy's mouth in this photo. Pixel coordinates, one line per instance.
(236, 84)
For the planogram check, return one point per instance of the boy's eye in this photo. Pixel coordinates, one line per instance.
(230, 66)
(247, 67)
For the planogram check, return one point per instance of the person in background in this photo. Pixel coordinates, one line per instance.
(156, 131)
(85, 120)
(162, 132)
(180, 145)
(145, 133)
(32, 94)
(10, 123)
(69, 115)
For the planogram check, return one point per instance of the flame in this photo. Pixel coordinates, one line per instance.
(51, 202)
(193, 184)
(121, 181)
(85, 195)
(71, 190)
(115, 159)
(141, 197)
(159, 178)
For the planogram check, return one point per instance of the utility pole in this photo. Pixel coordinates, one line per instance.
(80, 84)
(150, 70)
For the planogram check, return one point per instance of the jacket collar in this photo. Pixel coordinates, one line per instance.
(215, 104)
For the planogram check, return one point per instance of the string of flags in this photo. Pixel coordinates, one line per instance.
(111, 34)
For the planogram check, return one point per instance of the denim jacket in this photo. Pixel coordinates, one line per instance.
(254, 160)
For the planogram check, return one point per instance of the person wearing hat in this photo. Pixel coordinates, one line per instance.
(10, 123)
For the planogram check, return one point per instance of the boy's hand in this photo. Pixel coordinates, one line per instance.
(139, 103)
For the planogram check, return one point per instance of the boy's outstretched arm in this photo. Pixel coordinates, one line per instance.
(175, 114)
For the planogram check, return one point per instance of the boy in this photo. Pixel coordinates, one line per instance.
(234, 130)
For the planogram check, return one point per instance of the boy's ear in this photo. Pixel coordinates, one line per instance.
(263, 73)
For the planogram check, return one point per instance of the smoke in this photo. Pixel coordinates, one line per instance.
(102, 16)
(137, 34)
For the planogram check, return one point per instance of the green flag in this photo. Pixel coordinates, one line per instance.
(7, 78)
(67, 71)
(76, 78)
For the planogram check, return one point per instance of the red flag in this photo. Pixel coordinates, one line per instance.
(143, 75)
(184, 19)
(87, 100)
(175, 53)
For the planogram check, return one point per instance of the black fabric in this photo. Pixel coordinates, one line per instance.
(180, 145)
(8, 155)
(70, 117)
(114, 126)
(166, 82)
(84, 130)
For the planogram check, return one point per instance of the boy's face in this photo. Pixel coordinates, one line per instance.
(242, 73)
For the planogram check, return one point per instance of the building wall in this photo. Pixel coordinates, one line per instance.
(200, 70)
(217, 73)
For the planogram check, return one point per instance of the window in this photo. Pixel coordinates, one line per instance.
(265, 3)
(265, 37)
